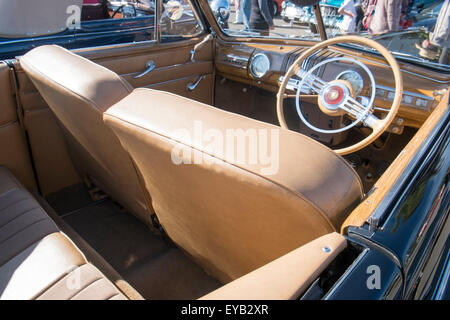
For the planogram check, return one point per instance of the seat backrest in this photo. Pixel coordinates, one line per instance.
(78, 91)
(231, 209)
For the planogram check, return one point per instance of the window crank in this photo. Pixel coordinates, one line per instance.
(150, 66)
(199, 45)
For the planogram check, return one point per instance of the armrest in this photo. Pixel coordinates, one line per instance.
(286, 277)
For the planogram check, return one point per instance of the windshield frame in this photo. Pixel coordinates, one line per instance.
(310, 40)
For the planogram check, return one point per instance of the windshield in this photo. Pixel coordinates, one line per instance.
(416, 31)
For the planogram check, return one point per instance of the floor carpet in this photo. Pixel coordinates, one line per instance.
(156, 269)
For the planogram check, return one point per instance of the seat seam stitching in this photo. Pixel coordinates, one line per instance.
(14, 203)
(23, 229)
(18, 216)
(84, 288)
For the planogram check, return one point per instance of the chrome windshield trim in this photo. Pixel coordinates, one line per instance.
(116, 46)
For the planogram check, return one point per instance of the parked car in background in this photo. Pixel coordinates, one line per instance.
(98, 23)
(428, 16)
(291, 11)
(101, 23)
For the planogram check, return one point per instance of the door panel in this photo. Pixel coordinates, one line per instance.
(172, 61)
(166, 73)
(14, 152)
(202, 92)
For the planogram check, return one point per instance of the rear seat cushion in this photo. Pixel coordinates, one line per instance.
(83, 283)
(37, 267)
(36, 259)
(22, 223)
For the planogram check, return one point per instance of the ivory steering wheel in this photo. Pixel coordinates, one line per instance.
(337, 97)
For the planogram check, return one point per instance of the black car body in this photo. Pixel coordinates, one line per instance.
(399, 248)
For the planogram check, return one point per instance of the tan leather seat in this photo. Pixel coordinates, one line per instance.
(231, 217)
(78, 91)
(37, 261)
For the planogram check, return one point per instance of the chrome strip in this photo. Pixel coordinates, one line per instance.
(409, 93)
(235, 57)
(114, 46)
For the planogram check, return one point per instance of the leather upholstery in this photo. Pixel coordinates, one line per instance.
(12, 137)
(78, 91)
(287, 277)
(52, 163)
(231, 218)
(91, 285)
(36, 259)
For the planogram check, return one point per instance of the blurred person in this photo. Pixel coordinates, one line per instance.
(405, 21)
(239, 13)
(245, 5)
(359, 16)
(260, 17)
(368, 6)
(439, 38)
(348, 23)
(386, 17)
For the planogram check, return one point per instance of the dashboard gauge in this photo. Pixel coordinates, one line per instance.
(354, 78)
(260, 65)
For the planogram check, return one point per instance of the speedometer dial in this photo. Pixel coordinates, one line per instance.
(354, 78)
(260, 65)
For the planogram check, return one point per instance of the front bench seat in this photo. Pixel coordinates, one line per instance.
(78, 91)
(231, 217)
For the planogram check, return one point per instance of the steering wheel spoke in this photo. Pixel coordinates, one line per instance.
(363, 114)
(353, 108)
(312, 81)
(373, 122)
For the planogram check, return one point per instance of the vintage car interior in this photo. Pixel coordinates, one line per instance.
(89, 189)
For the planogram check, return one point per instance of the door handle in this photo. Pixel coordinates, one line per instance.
(150, 66)
(192, 85)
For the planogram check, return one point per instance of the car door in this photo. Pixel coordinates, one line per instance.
(164, 59)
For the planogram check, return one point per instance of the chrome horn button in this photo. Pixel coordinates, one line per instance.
(333, 95)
